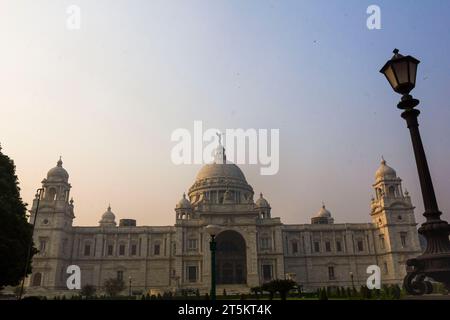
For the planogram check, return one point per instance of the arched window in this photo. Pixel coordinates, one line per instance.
(379, 193)
(37, 280)
(392, 191)
(51, 194)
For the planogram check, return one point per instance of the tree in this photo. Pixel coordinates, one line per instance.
(278, 285)
(255, 291)
(323, 294)
(15, 231)
(88, 290)
(113, 286)
(269, 287)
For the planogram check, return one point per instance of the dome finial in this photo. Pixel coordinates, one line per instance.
(260, 194)
(220, 156)
(382, 160)
(59, 163)
(109, 206)
(323, 204)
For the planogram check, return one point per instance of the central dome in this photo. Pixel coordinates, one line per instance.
(220, 182)
(219, 170)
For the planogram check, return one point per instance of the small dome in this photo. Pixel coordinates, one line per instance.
(183, 203)
(58, 173)
(108, 218)
(324, 213)
(385, 172)
(261, 202)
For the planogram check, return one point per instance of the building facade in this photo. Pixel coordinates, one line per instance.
(253, 247)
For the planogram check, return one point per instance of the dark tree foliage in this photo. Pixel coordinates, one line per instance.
(113, 286)
(15, 231)
(88, 291)
(278, 285)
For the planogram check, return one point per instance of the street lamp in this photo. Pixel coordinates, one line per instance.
(213, 230)
(351, 277)
(30, 245)
(434, 262)
(129, 287)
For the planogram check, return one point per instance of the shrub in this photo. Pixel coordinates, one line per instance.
(323, 294)
(113, 286)
(88, 290)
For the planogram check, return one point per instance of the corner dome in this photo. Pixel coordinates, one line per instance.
(183, 203)
(58, 173)
(261, 202)
(108, 218)
(324, 213)
(385, 172)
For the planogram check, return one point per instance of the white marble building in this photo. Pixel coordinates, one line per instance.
(252, 248)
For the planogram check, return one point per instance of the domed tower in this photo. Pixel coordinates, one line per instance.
(393, 214)
(53, 230)
(56, 185)
(263, 207)
(183, 208)
(322, 217)
(108, 218)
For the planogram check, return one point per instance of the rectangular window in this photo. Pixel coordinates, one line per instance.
(42, 245)
(110, 250)
(403, 239)
(87, 249)
(338, 246)
(327, 246)
(294, 247)
(121, 250)
(265, 243)
(192, 244)
(331, 273)
(156, 249)
(360, 246)
(316, 246)
(267, 272)
(192, 273)
(119, 275)
(133, 249)
(382, 244)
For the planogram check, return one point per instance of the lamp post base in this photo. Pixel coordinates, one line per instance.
(434, 263)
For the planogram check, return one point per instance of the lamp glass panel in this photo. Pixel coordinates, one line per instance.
(401, 69)
(389, 73)
(412, 70)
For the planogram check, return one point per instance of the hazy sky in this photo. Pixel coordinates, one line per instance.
(108, 96)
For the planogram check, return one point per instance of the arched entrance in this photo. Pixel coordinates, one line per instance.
(231, 258)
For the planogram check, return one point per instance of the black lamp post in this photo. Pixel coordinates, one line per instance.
(30, 245)
(213, 230)
(129, 287)
(353, 283)
(434, 262)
